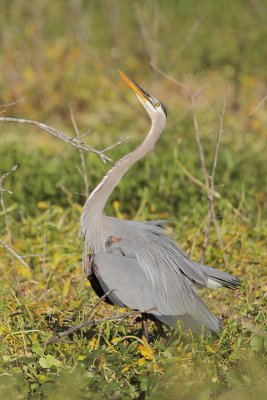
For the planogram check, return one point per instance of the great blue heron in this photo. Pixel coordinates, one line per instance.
(144, 266)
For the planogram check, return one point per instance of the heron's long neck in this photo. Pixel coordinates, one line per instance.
(98, 198)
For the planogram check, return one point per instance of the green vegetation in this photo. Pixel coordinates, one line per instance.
(61, 54)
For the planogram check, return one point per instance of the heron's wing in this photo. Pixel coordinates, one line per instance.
(152, 247)
(155, 248)
(160, 223)
(170, 296)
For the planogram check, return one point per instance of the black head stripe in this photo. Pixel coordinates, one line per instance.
(164, 109)
(150, 98)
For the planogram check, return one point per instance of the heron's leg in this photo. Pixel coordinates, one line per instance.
(160, 329)
(144, 326)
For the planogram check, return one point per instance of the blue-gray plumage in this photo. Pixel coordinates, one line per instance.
(138, 260)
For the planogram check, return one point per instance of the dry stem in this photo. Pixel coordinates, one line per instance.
(6, 106)
(2, 190)
(8, 246)
(86, 322)
(82, 171)
(62, 136)
(211, 211)
(11, 251)
(209, 180)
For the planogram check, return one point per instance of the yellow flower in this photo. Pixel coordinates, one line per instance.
(92, 343)
(43, 205)
(125, 369)
(146, 351)
(141, 362)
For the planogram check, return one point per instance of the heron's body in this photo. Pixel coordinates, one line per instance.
(138, 260)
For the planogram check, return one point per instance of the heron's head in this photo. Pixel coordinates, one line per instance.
(153, 106)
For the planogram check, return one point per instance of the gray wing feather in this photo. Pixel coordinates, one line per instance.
(153, 242)
(222, 278)
(172, 296)
(151, 245)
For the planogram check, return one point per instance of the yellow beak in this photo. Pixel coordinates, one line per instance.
(136, 88)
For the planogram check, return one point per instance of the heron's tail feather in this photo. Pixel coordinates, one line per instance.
(218, 279)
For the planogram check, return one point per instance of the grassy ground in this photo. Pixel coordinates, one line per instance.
(55, 65)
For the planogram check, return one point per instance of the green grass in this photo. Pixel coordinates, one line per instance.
(62, 64)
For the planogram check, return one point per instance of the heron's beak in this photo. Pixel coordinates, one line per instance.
(135, 87)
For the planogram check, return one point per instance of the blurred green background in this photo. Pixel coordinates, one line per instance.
(65, 54)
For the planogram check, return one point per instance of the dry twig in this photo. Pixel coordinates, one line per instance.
(6, 106)
(170, 78)
(196, 180)
(253, 111)
(86, 322)
(198, 139)
(82, 171)
(208, 182)
(11, 251)
(2, 190)
(150, 46)
(57, 336)
(62, 136)
(4, 176)
(192, 95)
(8, 246)
(211, 185)
(100, 300)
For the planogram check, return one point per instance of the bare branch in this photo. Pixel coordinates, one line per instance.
(6, 106)
(120, 141)
(149, 45)
(5, 175)
(86, 133)
(170, 78)
(102, 298)
(189, 37)
(11, 251)
(9, 247)
(2, 190)
(209, 181)
(196, 180)
(91, 322)
(198, 140)
(83, 171)
(56, 337)
(253, 111)
(218, 140)
(58, 134)
(211, 211)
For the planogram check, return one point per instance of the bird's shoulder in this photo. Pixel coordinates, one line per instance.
(143, 240)
(153, 249)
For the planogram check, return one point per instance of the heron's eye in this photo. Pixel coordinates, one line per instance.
(157, 104)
